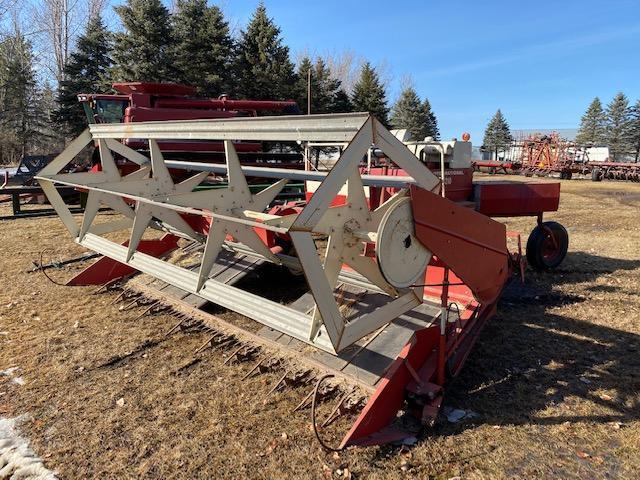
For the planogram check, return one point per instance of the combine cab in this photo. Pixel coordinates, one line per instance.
(396, 262)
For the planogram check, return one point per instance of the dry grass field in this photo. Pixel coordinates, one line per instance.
(554, 378)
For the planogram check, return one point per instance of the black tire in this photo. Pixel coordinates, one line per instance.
(568, 175)
(596, 175)
(542, 252)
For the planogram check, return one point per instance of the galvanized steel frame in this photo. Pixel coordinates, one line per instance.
(158, 202)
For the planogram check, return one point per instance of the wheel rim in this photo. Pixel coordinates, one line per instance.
(551, 248)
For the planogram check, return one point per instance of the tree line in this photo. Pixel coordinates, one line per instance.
(26, 106)
(192, 45)
(616, 126)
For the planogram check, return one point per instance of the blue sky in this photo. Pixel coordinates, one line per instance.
(540, 62)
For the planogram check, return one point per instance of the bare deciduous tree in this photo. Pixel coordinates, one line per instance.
(95, 7)
(5, 7)
(7, 10)
(347, 65)
(60, 24)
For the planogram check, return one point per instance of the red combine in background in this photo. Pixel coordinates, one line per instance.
(161, 102)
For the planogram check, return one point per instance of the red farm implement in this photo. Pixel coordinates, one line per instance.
(613, 171)
(548, 154)
(397, 264)
(551, 155)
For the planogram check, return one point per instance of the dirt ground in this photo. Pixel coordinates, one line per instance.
(554, 379)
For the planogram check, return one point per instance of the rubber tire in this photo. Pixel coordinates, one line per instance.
(536, 242)
(596, 175)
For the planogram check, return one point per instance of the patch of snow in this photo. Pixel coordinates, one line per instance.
(9, 371)
(17, 460)
(454, 415)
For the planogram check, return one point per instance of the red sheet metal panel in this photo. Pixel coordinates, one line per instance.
(471, 244)
(515, 199)
(154, 88)
(375, 424)
(382, 407)
(105, 269)
(458, 183)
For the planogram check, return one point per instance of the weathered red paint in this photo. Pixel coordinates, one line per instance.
(105, 269)
(515, 199)
(471, 244)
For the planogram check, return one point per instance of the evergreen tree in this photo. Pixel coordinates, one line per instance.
(618, 125)
(47, 133)
(18, 92)
(634, 130)
(341, 103)
(497, 136)
(327, 95)
(593, 125)
(305, 68)
(416, 116)
(263, 68)
(432, 123)
(203, 47)
(86, 72)
(47, 136)
(369, 95)
(142, 50)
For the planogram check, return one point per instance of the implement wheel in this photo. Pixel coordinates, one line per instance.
(547, 246)
(596, 175)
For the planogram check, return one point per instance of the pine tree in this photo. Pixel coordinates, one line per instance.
(497, 136)
(142, 50)
(48, 137)
(634, 130)
(87, 72)
(341, 103)
(305, 77)
(263, 68)
(618, 124)
(432, 123)
(406, 113)
(592, 125)
(327, 95)
(203, 47)
(18, 90)
(416, 116)
(369, 94)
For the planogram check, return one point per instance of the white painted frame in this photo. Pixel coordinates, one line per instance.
(235, 211)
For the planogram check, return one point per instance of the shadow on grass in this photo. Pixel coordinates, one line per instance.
(528, 359)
